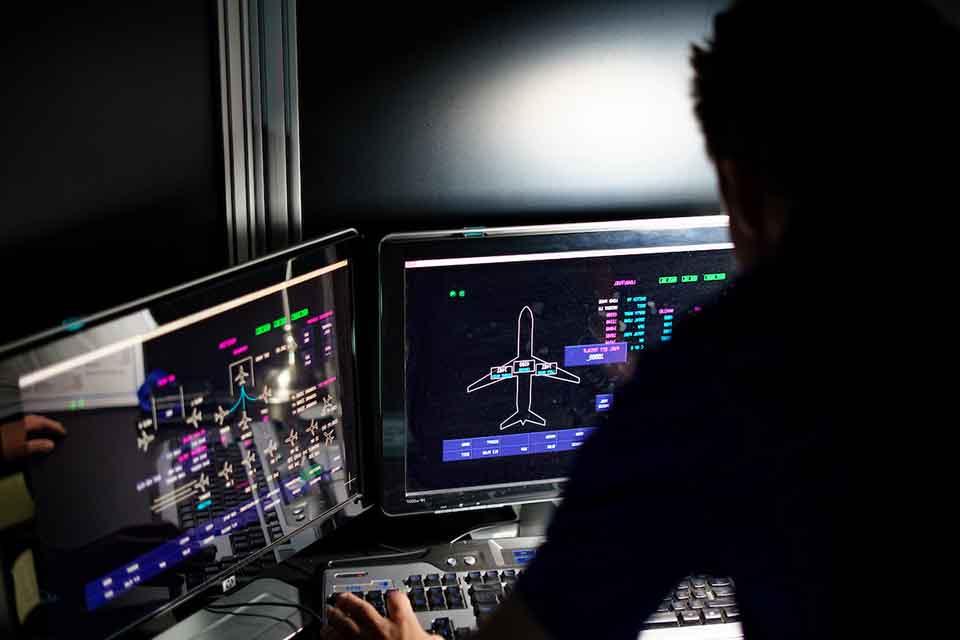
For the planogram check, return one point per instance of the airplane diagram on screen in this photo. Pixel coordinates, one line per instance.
(526, 366)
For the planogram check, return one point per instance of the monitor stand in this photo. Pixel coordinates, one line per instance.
(532, 521)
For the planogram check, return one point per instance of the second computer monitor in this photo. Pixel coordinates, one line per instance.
(502, 349)
(209, 429)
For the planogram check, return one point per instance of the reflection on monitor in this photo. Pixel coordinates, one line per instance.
(513, 358)
(202, 429)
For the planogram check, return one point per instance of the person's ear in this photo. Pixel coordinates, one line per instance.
(742, 195)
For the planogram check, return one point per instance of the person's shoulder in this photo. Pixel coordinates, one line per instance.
(732, 348)
(745, 320)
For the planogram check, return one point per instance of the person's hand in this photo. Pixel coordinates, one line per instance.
(355, 618)
(28, 437)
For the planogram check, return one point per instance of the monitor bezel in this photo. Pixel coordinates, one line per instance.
(329, 249)
(397, 249)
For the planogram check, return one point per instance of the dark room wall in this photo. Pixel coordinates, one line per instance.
(412, 115)
(494, 113)
(111, 174)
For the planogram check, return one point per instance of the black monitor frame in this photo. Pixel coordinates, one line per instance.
(197, 296)
(396, 249)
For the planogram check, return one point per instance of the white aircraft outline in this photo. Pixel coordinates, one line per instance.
(244, 422)
(313, 428)
(220, 415)
(329, 437)
(144, 440)
(271, 451)
(195, 417)
(328, 405)
(555, 373)
(241, 377)
(227, 473)
(293, 438)
(203, 482)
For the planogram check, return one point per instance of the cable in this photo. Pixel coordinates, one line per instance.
(382, 556)
(486, 526)
(227, 607)
(252, 615)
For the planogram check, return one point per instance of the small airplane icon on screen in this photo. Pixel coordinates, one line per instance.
(524, 365)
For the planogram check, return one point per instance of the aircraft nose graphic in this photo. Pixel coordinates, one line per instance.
(522, 369)
(525, 332)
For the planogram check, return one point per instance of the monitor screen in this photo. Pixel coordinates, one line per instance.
(512, 359)
(203, 428)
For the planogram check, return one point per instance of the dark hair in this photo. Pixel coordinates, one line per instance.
(818, 96)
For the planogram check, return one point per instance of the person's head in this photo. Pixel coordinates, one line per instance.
(815, 113)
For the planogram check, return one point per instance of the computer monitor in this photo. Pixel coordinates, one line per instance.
(501, 349)
(209, 429)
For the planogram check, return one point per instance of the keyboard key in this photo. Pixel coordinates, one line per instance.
(484, 597)
(732, 613)
(664, 606)
(721, 602)
(698, 581)
(495, 587)
(435, 598)
(375, 598)
(450, 579)
(712, 615)
(483, 612)
(690, 616)
(719, 582)
(663, 619)
(509, 573)
(683, 586)
(443, 627)
(414, 581)
(432, 580)
(473, 577)
(699, 593)
(454, 598)
(698, 603)
(679, 605)
(722, 591)
(418, 599)
(491, 577)
(681, 595)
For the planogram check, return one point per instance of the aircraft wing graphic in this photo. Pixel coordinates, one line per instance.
(492, 377)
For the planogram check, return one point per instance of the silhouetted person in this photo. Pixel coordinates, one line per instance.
(780, 438)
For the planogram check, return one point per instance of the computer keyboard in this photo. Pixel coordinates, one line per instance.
(455, 588)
